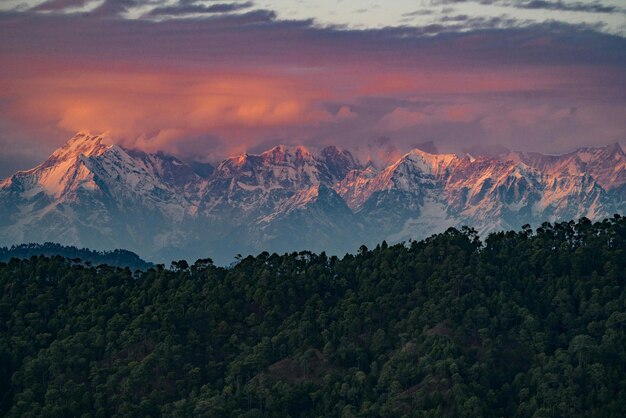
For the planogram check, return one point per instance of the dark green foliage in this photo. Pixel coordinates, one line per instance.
(116, 258)
(528, 324)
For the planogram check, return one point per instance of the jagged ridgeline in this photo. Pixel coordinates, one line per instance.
(524, 324)
(92, 194)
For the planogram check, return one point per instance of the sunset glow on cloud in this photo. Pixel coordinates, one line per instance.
(208, 86)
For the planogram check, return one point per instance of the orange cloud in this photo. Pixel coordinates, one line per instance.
(152, 109)
(401, 118)
(460, 113)
(345, 112)
(168, 108)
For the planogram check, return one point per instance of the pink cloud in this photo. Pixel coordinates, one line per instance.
(401, 118)
(222, 85)
(345, 113)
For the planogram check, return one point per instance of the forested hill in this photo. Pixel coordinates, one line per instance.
(116, 258)
(526, 324)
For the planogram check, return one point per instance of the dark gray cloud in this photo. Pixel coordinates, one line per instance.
(58, 5)
(186, 8)
(112, 8)
(116, 8)
(564, 6)
(452, 2)
(421, 12)
(466, 18)
(259, 35)
(447, 2)
(567, 7)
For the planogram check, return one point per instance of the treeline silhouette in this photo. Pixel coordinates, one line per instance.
(115, 258)
(525, 324)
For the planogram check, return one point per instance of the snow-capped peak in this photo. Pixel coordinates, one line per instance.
(65, 168)
(607, 165)
(306, 196)
(90, 192)
(434, 164)
(614, 148)
(83, 143)
(302, 152)
(281, 154)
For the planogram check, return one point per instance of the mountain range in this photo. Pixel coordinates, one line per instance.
(88, 193)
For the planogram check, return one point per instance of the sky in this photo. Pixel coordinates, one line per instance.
(208, 79)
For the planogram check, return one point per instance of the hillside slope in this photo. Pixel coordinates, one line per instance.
(526, 324)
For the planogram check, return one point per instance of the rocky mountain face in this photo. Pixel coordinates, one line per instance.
(103, 196)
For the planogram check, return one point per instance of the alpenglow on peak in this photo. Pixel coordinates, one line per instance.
(88, 193)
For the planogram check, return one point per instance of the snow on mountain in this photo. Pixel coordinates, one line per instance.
(423, 193)
(278, 168)
(433, 218)
(254, 185)
(336, 163)
(487, 193)
(355, 186)
(412, 173)
(90, 193)
(574, 197)
(298, 201)
(319, 213)
(157, 181)
(607, 165)
(63, 170)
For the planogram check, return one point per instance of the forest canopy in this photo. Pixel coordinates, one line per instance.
(115, 258)
(529, 323)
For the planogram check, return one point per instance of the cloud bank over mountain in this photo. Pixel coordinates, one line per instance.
(206, 80)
